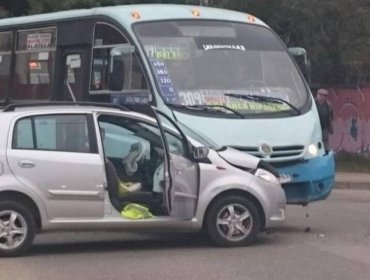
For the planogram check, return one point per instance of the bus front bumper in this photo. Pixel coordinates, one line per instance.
(310, 180)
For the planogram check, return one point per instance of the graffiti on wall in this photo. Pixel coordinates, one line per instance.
(351, 120)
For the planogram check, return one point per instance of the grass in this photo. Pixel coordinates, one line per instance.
(347, 162)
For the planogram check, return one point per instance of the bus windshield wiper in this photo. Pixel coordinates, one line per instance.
(262, 98)
(205, 107)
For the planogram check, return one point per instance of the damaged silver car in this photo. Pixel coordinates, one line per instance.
(89, 167)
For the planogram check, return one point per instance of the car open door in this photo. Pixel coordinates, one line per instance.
(182, 173)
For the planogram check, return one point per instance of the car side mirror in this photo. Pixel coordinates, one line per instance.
(200, 153)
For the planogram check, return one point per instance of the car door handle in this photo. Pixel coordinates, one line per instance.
(26, 164)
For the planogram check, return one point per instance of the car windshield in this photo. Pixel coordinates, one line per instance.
(202, 139)
(201, 62)
(197, 136)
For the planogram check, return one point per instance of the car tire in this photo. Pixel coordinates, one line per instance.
(17, 228)
(232, 221)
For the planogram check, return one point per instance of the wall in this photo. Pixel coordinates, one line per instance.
(351, 120)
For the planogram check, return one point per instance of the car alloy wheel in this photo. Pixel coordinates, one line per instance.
(17, 228)
(13, 230)
(234, 222)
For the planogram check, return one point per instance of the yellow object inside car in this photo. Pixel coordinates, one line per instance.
(134, 211)
(127, 187)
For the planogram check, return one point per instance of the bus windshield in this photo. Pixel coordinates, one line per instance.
(210, 63)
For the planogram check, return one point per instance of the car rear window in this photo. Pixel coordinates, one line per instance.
(67, 133)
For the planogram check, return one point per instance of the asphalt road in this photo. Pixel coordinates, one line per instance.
(332, 243)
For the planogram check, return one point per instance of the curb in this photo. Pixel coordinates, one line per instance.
(364, 186)
(352, 181)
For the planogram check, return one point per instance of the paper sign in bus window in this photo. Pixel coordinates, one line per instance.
(43, 56)
(38, 41)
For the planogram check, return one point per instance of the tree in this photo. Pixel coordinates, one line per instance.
(44, 6)
(336, 34)
(12, 8)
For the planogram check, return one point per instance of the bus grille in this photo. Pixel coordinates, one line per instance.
(278, 152)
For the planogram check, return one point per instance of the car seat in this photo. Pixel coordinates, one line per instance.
(130, 161)
(134, 195)
(158, 179)
(112, 183)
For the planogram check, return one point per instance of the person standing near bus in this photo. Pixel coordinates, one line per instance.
(325, 114)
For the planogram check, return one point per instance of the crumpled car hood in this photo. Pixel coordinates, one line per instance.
(239, 158)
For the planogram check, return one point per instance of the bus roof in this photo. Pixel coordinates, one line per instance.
(147, 12)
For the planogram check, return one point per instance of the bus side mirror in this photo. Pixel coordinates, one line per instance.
(301, 58)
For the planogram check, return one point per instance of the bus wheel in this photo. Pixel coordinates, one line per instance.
(17, 229)
(232, 221)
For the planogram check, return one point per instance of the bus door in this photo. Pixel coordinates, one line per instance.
(75, 74)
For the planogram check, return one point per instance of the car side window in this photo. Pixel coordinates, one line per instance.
(175, 144)
(175, 141)
(118, 140)
(23, 135)
(65, 133)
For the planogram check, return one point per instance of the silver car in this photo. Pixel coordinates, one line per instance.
(89, 167)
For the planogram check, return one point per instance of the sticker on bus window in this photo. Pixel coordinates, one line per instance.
(133, 99)
(167, 89)
(38, 40)
(43, 56)
(224, 47)
(171, 52)
(217, 98)
(73, 61)
(34, 79)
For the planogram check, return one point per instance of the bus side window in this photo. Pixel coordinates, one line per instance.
(5, 58)
(114, 71)
(117, 75)
(126, 73)
(35, 58)
(138, 80)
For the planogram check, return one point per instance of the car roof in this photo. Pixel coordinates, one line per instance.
(45, 108)
(34, 109)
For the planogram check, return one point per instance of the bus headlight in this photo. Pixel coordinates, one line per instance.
(266, 175)
(313, 150)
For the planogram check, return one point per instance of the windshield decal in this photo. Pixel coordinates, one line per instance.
(167, 89)
(170, 51)
(224, 47)
(215, 98)
(252, 106)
